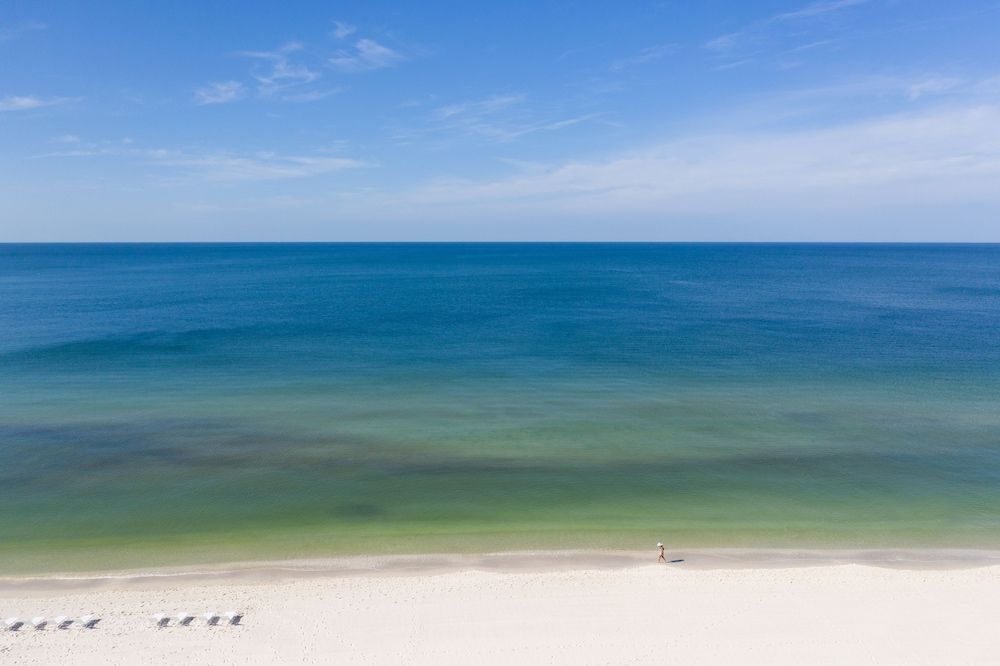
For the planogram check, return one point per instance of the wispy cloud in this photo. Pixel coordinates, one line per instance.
(231, 167)
(28, 102)
(278, 71)
(762, 35)
(897, 88)
(937, 85)
(909, 88)
(342, 30)
(219, 93)
(90, 150)
(479, 108)
(310, 96)
(937, 155)
(817, 9)
(181, 166)
(499, 118)
(810, 46)
(649, 54)
(12, 31)
(288, 72)
(75, 146)
(367, 54)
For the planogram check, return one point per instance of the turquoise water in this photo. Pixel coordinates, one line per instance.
(191, 402)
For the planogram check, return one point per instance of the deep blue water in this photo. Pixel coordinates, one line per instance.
(723, 394)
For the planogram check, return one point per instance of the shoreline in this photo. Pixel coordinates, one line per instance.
(508, 562)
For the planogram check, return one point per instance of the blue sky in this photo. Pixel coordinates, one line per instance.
(798, 120)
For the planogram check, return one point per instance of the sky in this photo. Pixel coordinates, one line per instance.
(797, 120)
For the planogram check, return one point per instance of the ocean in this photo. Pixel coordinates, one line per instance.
(177, 403)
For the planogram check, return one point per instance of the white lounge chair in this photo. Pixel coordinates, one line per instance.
(211, 618)
(12, 624)
(161, 620)
(89, 621)
(234, 618)
(63, 622)
(39, 622)
(184, 619)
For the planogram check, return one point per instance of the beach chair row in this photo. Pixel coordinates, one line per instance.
(41, 622)
(211, 619)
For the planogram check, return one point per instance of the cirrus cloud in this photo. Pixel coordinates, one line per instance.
(233, 167)
(367, 54)
(948, 154)
(219, 93)
(28, 102)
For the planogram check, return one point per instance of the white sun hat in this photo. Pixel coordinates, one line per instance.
(659, 545)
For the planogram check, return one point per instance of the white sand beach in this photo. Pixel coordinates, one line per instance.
(529, 609)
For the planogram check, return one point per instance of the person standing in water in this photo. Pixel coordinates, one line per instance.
(661, 558)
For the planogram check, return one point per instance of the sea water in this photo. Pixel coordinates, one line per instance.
(175, 403)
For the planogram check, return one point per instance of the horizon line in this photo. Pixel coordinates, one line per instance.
(495, 242)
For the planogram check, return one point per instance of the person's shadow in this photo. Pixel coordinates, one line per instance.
(675, 561)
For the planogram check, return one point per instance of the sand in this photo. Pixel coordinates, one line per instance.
(530, 608)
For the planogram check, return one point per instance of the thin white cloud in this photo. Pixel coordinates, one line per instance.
(219, 93)
(896, 88)
(342, 30)
(11, 31)
(933, 86)
(183, 165)
(28, 102)
(647, 55)
(231, 167)
(77, 147)
(499, 118)
(818, 8)
(944, 154)
(760, 35)
(811, 46)
(479, 108)
(310, 96)
(910, 88)
(89, 150)
(280, 72)
(367, 54)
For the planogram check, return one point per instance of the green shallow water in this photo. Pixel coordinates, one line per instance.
(183, 404)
